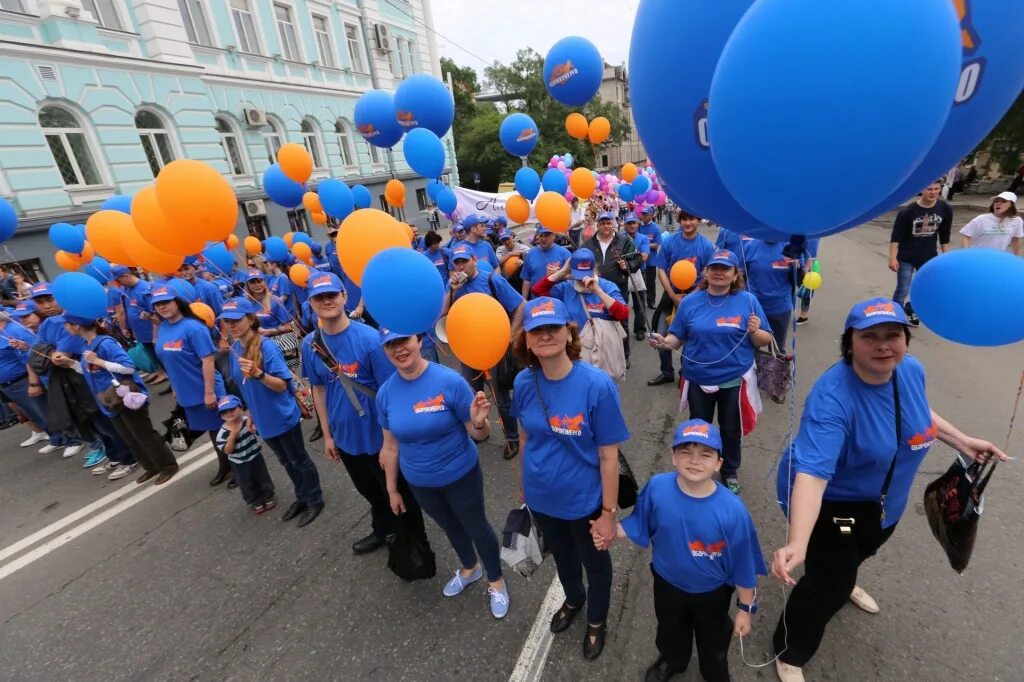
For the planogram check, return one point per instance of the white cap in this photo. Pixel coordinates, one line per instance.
(1007, 196)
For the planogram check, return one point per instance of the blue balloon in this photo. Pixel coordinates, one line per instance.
(8, 220)
(275, 249)
(447, 201)
(568, 160)
(184, 289)
(220, 259)
(424, 152)
(79, 294)
(375, 119)
(641, 184)
(117, 202)
(403, 290)
(573, 70)
(336, 198)
(518, 134)
(362, 197)
(99, 269)
(67, 238)
(81, 228)
(434, 188)
(625, 191)
(281, 189)
(303, 238)
(805, 72)
(952, 295)
(423, 101)
(554, 181)
(527, 183)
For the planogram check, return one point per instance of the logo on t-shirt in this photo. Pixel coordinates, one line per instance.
(174, 345)
(567, 426)
(595, 307)
(926, 225)
(435, 404)
(350, 370)
(888, 309)
(781, 264)
(733, 322)
(711, 550)
(924, 440)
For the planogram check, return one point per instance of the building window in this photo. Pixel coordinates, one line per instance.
(12, 5)
(421, 199)
(311, 138)
(409, 65)
(232, 150)
(155, 140)
(374, 154)
(395, 60)
(344, 144)
(355, 53)
(257, 226)
(195, 22)
(273, 139)
(297, 221)
(69, 147)
(323, 41)
(105, 13)
(245, 26)
(286, 32)
(604, 160)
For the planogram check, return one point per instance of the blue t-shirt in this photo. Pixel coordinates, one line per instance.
(770, 275)
(98, 378)
(566, 291)
(727, 239)
(714, 330)
(181, 347)
(484, 252)
(280, 286)
(273, 412)
(331, 252)
(113, 299)
(136, 302)
(643, 245)
(700, 543)
(274, 316)
(358, 352)
(652, 231)
(352, 291)
(561, 467)
(482, 283)
(308, 318)
(427, 417)
(52, 331)
(536, 261)
(224, 286)
(441, 260)
(848, 432)
(209, 294)
(677, 247)
(12, 360)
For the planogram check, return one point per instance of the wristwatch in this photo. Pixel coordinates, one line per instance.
(749, 608)
(611, 510)
(262, 374)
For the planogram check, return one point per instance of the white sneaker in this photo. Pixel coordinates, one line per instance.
(36, 437)
(71, 450)
(104, 468)
(788, 673)
(863, 600)
(47, 449)
(121, 471)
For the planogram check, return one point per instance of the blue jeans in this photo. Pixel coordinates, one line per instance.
(458, 508)
(34, 408)
(570, 542)
(110, 441)
(727, 400)
(291, 452)
(903, 278)
(780, 323)
(659, 322)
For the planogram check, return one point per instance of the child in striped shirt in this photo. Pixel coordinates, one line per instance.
(245, 455)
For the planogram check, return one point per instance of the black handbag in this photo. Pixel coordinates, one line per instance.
(409, 553)
(953, 504)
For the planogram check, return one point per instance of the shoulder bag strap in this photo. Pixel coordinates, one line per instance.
(899, 442)
(324, 353)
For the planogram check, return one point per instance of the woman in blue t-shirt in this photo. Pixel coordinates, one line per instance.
(430, 419)
(720, 326)
(846, 479)
(771, 277)
(570, 427)
(274, 318)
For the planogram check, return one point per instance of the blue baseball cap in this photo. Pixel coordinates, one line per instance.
(458, 227)
(41, 289)
(648, 210)
(252, 274)
(163, 293)
(387, 336)
(24, 309)
(544, 311)
(79, 320)
(606, 215)
(505, 234)
(581, 262)
(875, 311)
(236, 308)
(462, 252)
(192, 260)
(470, 220)
(542, 230)
(228, 402)
(500, 220)
(316, 248)
(118, 270)
(698, 431)
(725, 257)
(631, 218)
(324, 283)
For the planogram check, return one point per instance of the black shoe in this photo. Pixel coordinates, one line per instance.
(511, 449)
(661, 379)
(563, 618)
(166, 391)
(318, 433)
(220, 478)
(913, 319)
(309, 514)
(294, 510)
(801, 321)
(639, 336)
(368, 544)
(593, 641)
(232, 484)
(661, 671)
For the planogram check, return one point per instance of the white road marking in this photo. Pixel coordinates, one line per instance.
(534, 655)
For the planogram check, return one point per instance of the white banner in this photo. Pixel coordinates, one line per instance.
(486, 204)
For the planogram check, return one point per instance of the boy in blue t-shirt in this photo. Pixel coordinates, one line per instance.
(704, 547)
(246, 456)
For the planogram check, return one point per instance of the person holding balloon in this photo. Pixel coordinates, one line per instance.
(639, 298)
(437, 254)
(476, 238)
(275, 321)
(207, 292)
(136, 315)
(543, 259)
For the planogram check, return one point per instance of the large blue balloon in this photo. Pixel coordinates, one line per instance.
(626, 192)
(220, 258)
(99, 269)
(184, 289)
(336, 198)
(447, 201)
(518, 134)
(403, 290)
(117, 202)
(303, 238)
(8, 220)
(67, 237)
(434, 188)
(424, 152)
(817, 80)
(554, 181)
(362, 196)
(281, 189)
(527, 183)
(275, 249)
(423, 101)
(573, 70)
(375, 119)
(641, 184)
(79, 294)
(953, 296)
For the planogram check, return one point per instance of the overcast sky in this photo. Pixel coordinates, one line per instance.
(495, 30)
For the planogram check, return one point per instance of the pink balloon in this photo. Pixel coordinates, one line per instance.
(661, 199)
(569, 196)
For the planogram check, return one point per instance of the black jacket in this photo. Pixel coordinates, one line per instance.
(608, 263)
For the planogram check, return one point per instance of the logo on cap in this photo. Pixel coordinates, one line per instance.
(224, 401)
(545, 308)
(21, 306)
(322, 281)
(700, 430)
(725, 255)
(583, 265)
(231, 305)
(461, 251)
(161, 291)
(879, 309)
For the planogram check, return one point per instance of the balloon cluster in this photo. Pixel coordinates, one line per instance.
(597, 131)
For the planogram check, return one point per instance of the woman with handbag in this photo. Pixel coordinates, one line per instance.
(721, 326)
(431, 419)
(570, 427)
(846, 479)
(263, 377)
(275, 321)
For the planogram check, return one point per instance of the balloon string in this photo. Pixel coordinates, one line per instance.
(1013, 416)
(489, 383)
(30, 350)
(292, 321)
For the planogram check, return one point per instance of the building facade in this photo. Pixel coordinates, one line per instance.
(96, 96)
(615, 90)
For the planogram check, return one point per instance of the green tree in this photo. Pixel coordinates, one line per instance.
(1006, 141)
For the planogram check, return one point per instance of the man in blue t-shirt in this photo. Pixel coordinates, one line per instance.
(652, 230)
(643, 246)
(544, 259)
(136, 314)
(477, 240)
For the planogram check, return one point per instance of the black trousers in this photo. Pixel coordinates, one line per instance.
(639, 301)
(831, 574)
(572, 547)
(146, 444)
(650, 279)
(371, 483)
(254, 481)
(727, 401)
(685, 616)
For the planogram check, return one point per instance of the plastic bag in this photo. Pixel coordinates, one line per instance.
(141, 358)
(522, 547)
(953, 504)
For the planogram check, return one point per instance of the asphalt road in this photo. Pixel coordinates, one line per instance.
(121, 582)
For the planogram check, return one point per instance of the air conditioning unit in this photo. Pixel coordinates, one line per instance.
(255, 207)
(382, 37)
(255, 117)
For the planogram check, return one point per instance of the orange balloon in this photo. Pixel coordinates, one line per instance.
(288, 237)
(156, 229)
(147, 256)
(629, 172)
(203, 312)
(105, 231)
(253, 247)
(394, 193)
(517, 208)
(198, 202)
(311, 200)
(683, 275)
(576, 125)
(67, 260)
(553, 212)
(298, 274)
(599, 131)
(478, 330)
(302, 251)
(231, 242)
(319, 218)
(511, 266)
(295, 162)
(583, 183)
(364, 234)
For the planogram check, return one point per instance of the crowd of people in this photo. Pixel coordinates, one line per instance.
(406, 427)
